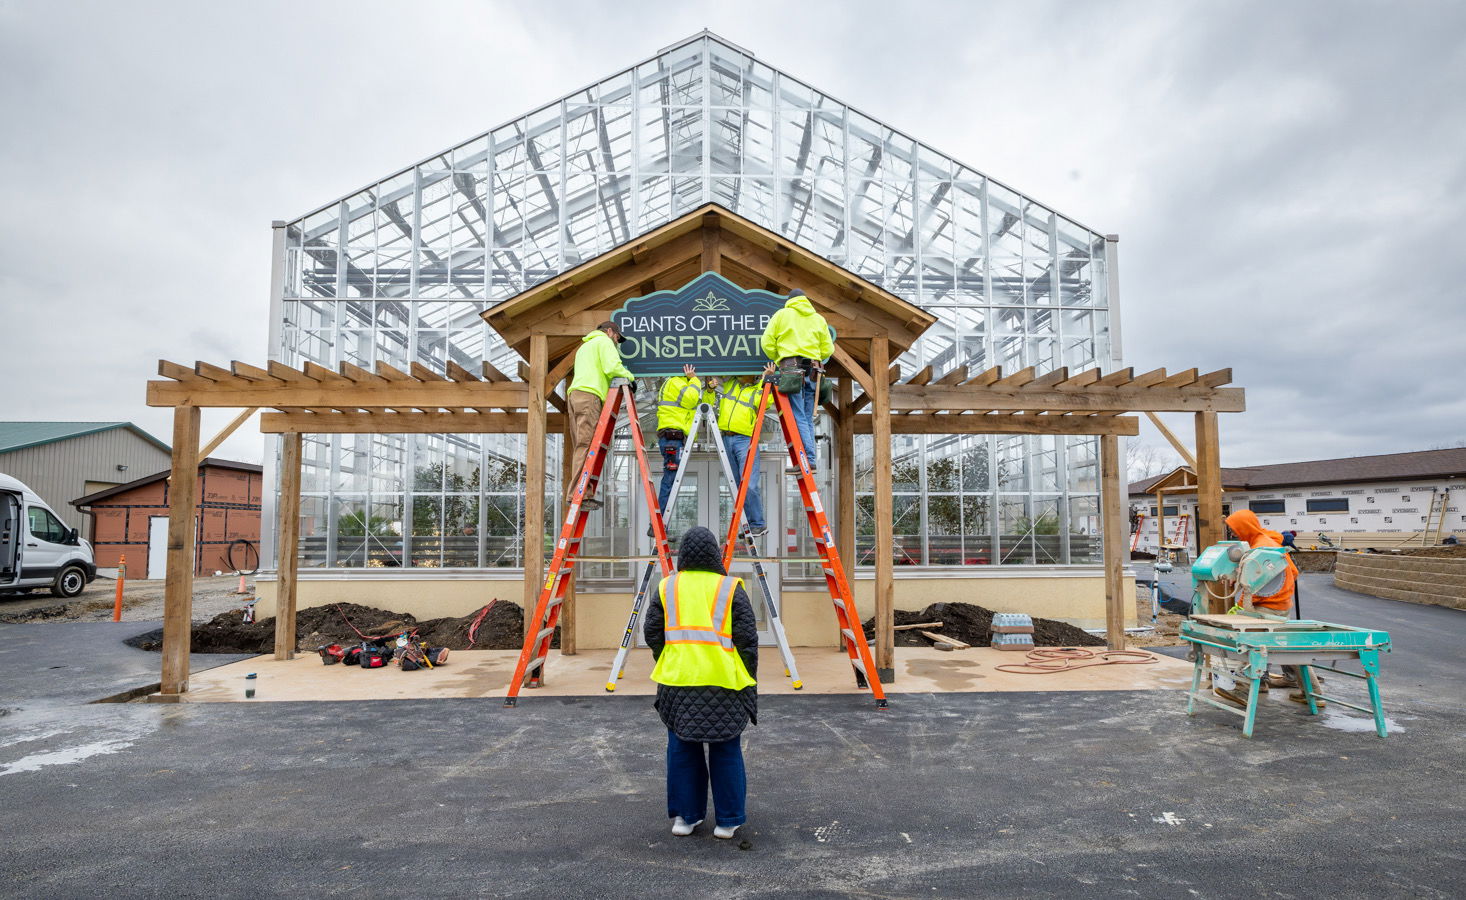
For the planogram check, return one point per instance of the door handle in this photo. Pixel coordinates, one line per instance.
(33, 545)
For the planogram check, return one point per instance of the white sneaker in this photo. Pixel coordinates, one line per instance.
(726, 831)
(682, 828)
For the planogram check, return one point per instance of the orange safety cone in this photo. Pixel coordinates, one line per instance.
(242, 589)
(121, 577)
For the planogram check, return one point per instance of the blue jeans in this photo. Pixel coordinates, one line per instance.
(802, 404)
(753, 504)
(671, 458)
(688, 774)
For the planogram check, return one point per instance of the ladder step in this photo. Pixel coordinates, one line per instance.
(544, 633)
(859, 666)
(534, 664)
(849, 635)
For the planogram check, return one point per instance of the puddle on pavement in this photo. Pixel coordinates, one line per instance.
(951, 674)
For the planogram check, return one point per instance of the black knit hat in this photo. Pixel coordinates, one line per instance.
(699, 552)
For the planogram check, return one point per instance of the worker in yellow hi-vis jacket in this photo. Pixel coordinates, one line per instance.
(737, 411)
(676, 406)
(798, 340)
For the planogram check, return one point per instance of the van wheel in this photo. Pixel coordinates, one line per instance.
(71, 582)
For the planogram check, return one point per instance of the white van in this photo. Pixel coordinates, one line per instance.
(36, 549)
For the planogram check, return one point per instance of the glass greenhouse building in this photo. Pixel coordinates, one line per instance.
(401, 271)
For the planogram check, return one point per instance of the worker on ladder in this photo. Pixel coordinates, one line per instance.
(597, 361)
(737, 400)
(675, 408)
(797, 339)
(705, 640)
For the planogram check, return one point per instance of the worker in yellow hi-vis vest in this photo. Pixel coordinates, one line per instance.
(676, 406)
(705, 640)
(737, 410)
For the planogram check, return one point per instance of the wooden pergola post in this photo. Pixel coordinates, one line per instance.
(1113, 528)
(845, 479)
(288, 547)
(1209, 524)
(534, 476)
(178, 588)
(885, 538)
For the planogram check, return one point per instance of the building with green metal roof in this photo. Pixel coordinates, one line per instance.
(61, 461)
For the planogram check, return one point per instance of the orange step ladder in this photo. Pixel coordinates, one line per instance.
(852, 633)
(552, 594)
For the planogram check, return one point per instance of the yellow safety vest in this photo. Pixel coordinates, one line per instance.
(699, 633)
(738, 407)
(679, 398)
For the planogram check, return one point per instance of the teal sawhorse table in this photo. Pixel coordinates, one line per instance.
(1240, 647)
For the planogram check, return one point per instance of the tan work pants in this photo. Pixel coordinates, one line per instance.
(585, 414)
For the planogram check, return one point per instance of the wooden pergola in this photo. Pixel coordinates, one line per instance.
(545, 325)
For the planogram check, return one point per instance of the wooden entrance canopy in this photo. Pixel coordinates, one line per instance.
(545, 325)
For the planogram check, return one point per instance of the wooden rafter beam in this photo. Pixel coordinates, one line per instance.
(1117, 378)
(853, 368)
(955, 376)
(383, 422)
(224, 432)
(1091, 400)
(1175, 442)
(343, 394)
(952, 423)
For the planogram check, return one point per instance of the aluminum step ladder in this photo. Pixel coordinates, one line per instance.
(706, 417)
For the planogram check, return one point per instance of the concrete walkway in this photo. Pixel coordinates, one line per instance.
(486, 673)
(946, 795)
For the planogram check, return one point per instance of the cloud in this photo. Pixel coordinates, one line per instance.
(1285, 178)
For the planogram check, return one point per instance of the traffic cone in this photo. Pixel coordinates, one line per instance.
(242, 589)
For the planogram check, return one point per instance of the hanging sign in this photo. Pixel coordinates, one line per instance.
(710, 322)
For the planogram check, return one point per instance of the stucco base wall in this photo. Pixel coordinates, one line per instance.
(808, 617)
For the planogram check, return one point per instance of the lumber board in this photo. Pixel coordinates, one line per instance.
(382, 422)
(975, 423)
(946, 639)
(1127, 399)
(341, 394)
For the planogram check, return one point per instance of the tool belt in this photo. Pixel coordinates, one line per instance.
(672, 434)
(792, 373)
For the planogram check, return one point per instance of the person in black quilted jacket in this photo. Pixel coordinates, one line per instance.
(705, 722)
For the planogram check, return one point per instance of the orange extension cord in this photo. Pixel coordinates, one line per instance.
(1047, 661)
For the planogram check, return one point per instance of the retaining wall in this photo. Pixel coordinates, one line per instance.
(1415, 579)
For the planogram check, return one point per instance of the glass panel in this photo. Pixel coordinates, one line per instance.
(1012, 284)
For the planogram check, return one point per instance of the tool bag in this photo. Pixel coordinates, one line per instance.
(791, 375)
(373, 655)
(331, 654)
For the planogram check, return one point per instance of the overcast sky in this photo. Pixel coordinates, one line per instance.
(1287, 179)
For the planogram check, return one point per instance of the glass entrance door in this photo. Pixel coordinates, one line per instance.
(697, 504)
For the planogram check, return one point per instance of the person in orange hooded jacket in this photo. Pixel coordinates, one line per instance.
(1244, 524)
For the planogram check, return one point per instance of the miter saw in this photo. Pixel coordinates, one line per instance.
(1233, 572)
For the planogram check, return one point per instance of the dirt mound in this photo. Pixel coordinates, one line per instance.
(1314, 560)
(972, 624)
(1439, 552)
(501, 629)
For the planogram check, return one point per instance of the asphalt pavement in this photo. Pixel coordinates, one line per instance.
(952, 795)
